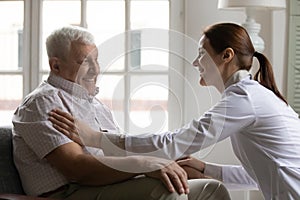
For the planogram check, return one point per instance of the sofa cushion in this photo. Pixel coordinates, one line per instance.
(9, 178)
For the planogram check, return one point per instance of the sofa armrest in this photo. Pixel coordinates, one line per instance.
(21, 197)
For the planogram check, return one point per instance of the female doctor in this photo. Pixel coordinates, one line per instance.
(264, 130)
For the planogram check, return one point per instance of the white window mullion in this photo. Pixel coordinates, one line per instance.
(36, 42)
(32, 44)
(127, 62)
(83, 21)
(176, 63)
(26, 45)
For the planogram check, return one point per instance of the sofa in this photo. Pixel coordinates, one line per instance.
(10, 183)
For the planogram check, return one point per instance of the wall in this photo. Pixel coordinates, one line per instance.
(199, 14)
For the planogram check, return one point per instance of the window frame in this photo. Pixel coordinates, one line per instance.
(32, 52)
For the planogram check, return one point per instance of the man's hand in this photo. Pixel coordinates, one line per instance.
(74, 129)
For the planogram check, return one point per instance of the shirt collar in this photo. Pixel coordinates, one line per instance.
(236, 77)
(70, 87)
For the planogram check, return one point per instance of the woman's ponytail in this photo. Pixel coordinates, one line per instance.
(265, 75)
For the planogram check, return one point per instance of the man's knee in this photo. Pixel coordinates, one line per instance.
(207, 189)
(219, 191)
(160, 192)
(175, 196)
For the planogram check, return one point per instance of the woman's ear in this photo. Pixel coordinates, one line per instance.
(228, 55)
(54, 64)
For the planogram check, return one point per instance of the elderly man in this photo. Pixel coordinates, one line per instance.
(52, 165)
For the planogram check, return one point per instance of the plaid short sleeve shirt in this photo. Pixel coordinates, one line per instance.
(34, 137)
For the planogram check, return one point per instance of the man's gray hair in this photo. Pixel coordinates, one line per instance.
(58, 44)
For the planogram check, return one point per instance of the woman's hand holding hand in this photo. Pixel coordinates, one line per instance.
(74, 129)
(169, 172)
(193, 167)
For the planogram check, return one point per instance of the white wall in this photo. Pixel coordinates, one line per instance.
(198, 15)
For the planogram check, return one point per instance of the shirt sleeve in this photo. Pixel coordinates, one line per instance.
(213, 171)
(32, 125)
(230, 115)
(234, 177)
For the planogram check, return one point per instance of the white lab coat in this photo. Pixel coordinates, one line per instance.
(264, 132)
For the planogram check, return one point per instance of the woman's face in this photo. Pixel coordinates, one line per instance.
(206, 62)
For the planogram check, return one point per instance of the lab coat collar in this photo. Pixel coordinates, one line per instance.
(236, 77)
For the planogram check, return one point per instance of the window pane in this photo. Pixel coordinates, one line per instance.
(148, 104)
(149, 48)
(11, 35)
(11, 87)
(149, 14)
(154, 49)
(112, 54)
(57, 13)
(111, 93)
(105, 19)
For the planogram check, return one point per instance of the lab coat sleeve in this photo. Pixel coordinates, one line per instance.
(214, 171)
(193, 137)
(234, 177)
(230, 115)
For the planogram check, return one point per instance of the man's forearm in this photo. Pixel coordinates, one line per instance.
(77, 166)
(100, 171)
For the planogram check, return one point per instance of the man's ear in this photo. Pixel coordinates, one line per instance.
(228, 55)
(54, 64)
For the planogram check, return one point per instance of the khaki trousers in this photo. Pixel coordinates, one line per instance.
(144, 188)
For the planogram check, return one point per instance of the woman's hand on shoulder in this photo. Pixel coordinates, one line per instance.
(74, 129)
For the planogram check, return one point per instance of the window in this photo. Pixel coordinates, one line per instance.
(133, 41)
(11, 42)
